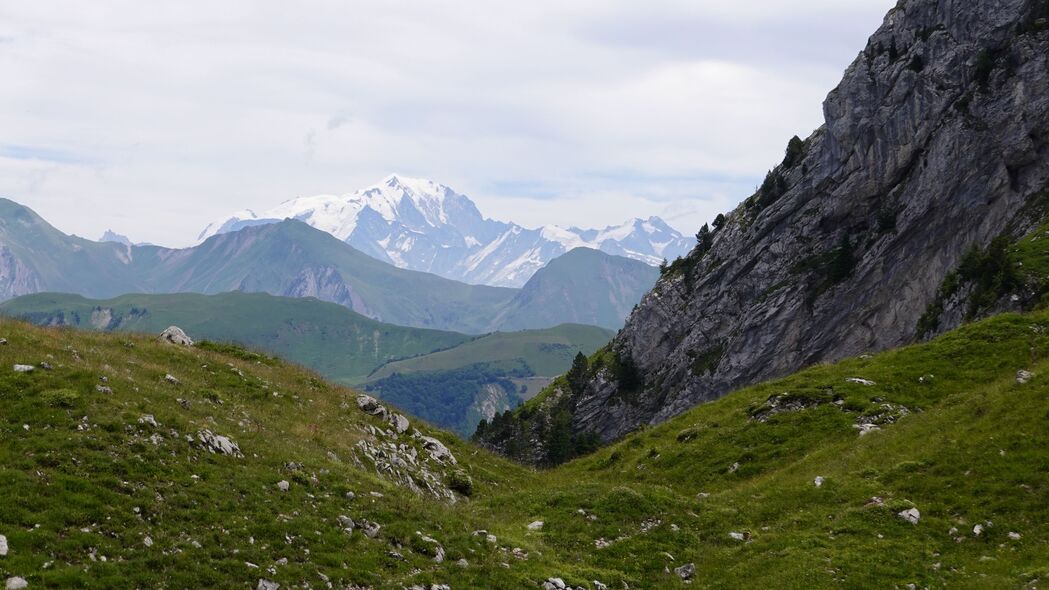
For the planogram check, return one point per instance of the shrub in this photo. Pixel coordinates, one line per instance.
(828, 269)
(772, 188)
(984, 68)
(708, 360)
(719, 221)
(459, 481)
(992, 272)
(61, 398)
(688, 434)
(704, 239)
(795, 152)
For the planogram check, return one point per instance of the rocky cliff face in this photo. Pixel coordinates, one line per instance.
(935, 143)
(16, 278)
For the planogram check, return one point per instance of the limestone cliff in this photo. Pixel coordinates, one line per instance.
(935, 143)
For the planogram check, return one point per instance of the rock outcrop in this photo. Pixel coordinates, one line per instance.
(175, 335)
(216, 443)
(936, 143)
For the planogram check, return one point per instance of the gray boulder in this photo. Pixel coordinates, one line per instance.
(438, 451)
(370, 405)
(219, 444)
(911, 515)
(686, 571)
(175, 335)
(370, 529)
(400, 423)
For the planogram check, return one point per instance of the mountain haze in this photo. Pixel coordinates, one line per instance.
(292, 259)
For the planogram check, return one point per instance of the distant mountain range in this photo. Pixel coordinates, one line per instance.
(422, 225)
(293, 259)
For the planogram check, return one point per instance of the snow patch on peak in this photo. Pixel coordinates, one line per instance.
(423, 225)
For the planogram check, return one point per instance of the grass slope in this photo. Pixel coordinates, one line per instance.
(970, 449)
(457, 387)
(583, 286)
(336, 342)
(546, 352)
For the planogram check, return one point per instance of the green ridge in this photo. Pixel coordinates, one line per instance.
(457, 387)
(338, 343)
(546, 353)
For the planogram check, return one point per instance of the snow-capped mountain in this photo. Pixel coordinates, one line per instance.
(422, 225)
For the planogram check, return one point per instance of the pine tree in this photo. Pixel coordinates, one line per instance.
(795, 152)
(719, 222)
(578, 373)
(704, 239)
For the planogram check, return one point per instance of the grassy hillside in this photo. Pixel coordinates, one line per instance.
(958, 437)
(336, 342)
(583, 286)
(457, 387)
(546, 352)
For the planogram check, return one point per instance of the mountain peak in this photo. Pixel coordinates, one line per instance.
(420, 224)
(112, 236)
(418, 189)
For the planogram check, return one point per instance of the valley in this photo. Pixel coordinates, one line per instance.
(838, 381)
(111, 500)
(444, 377)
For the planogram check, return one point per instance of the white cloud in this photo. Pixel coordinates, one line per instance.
(166, 115)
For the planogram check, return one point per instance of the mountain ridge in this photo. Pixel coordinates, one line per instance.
(287, 258)
(423, 225)
(339, 343)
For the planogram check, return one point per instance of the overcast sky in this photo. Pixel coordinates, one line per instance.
(154, 118)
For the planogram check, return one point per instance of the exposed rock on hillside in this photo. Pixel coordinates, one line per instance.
(176, 335)
(936, 143)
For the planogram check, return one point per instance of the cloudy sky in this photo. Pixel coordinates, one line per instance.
(155, 118)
